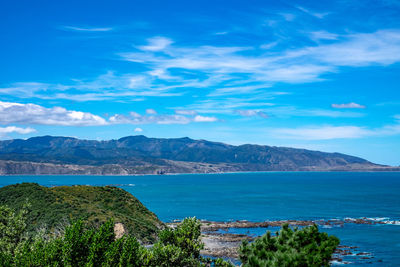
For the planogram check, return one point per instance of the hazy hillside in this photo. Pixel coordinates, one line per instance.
(139, 154)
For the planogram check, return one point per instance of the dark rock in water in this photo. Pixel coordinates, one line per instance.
(142, 155)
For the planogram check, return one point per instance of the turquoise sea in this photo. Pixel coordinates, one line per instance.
(271, 196)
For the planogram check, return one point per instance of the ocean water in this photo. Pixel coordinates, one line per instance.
(270, 196)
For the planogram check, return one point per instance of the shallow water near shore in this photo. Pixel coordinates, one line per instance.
(270, 196)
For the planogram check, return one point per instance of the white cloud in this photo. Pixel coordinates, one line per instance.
(348, 105)
(14, 129)
(268, 45)
(361, 49)
(35, 114)
(156, 44)
(288, 16)
(323, 35)
(299, 65)
(146, 119)
(226, 105)
(151, 111)
(251, 113)
(292, 111)
(221, 72)
(199, 118)
(88, 29)
(237, 90)
(226, 70)
(185, 112)
(181, 117)
(108, 86)
(138, 130)
(335, 132)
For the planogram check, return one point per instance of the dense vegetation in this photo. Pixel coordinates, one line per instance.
(86, 246)
(91, 240)
(54, 208)
(305, 247)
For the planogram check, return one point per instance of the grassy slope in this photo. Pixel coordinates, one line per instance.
(51, 207)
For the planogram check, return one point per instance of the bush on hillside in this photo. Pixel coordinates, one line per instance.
(82, 245)
(290, 248)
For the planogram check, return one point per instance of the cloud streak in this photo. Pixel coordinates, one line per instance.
(348, 105)
(135, 118)
(88, 29)
(169, 69)
(335, 132)
(251, 113)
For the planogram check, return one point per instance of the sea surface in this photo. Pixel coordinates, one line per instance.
(271, 196)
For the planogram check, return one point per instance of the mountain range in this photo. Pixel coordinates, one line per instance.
(142, 155)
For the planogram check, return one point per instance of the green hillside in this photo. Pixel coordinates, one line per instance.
(55, 207)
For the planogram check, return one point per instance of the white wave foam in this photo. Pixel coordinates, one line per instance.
(378, 219)
(392, 222)
(335, 262)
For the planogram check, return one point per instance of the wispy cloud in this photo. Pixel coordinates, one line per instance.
(227, 105)
(251, 113)
(88, 29)
(323, 35)
(307, 64)
(335, 132)
(170, 69)
(185, 112)
(151, 111)
(288, 16)
(293, 111)
(348, 105)
(361, 49)
(135, 118)
(156, 44)
(108, 86)
(319, 15)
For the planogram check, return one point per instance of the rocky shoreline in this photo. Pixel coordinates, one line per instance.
(222, 244)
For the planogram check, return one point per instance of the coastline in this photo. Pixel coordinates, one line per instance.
(397, 169)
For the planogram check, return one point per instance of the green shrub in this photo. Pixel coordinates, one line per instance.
(83, 245)
(291, 248)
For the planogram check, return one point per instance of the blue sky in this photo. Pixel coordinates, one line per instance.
(321, 75)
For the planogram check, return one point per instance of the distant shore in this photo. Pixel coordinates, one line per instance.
(380, 170)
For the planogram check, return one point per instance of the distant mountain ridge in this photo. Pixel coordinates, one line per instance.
(142, 155)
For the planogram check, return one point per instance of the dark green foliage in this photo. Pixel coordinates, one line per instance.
(82, 245)
(186, 236)
(291, 248)
(54, 208)
(12, 229)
